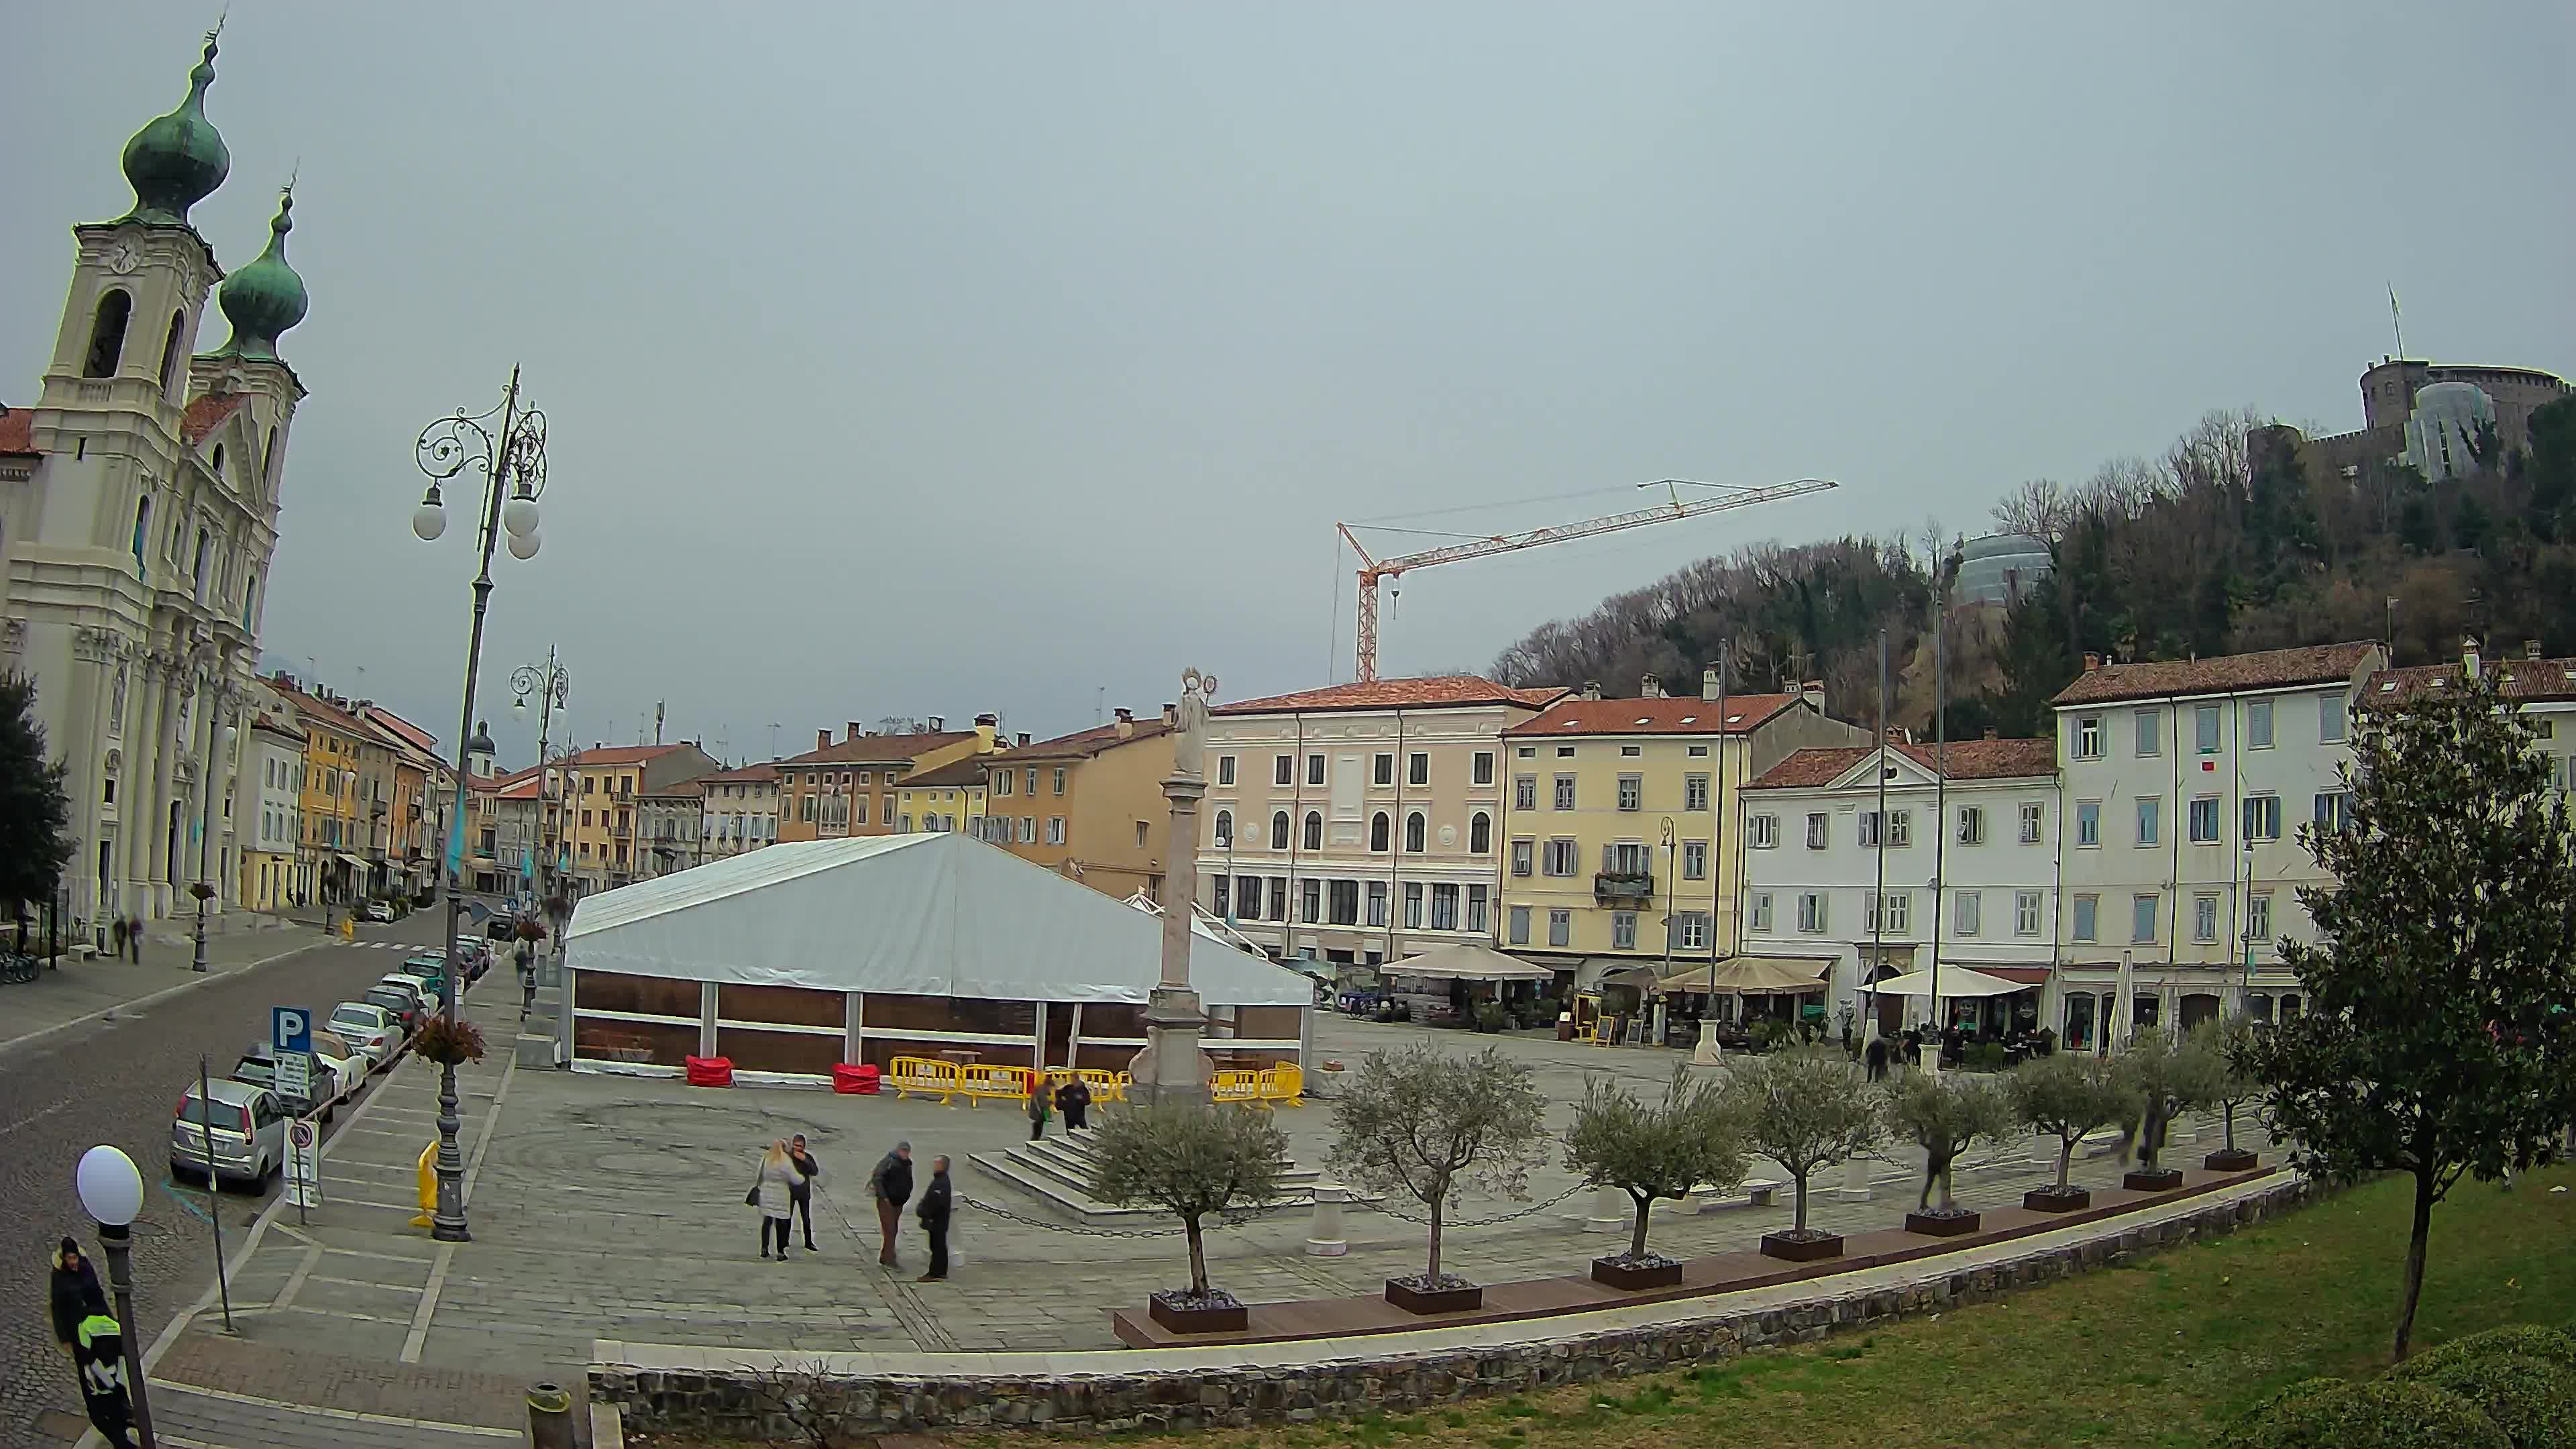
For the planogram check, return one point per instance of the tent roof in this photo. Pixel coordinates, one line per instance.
(1750, 976)
(935, 914)
(1955, 981)
(1468, 961)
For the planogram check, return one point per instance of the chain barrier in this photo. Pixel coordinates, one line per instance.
(1024, 1219)
(1446, 1224)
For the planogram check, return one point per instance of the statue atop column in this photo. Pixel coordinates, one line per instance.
(1189, 740)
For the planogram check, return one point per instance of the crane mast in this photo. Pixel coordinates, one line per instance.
(1375, 570)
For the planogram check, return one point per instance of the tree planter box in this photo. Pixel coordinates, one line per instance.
(2152, 1179)
(1801, 1250)
(1942, 1225)
(1653, 1271)
(2229, 1159)
(1409, 1295)
(1219, 1312)
(2050, 1200)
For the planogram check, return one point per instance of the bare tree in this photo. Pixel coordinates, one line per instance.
(2039, 508)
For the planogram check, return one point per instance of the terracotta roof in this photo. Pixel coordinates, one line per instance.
(1966, 759)
(684, 787)
(2527, 679)
(1430, 692)
(956, 773)
(522, 788)
(321, 709)
(18, 432)
(877, 749)
(274, 725)
(620, 754)
(208, 413)
(2269, 669)
(1083, 744)
(1575, 716)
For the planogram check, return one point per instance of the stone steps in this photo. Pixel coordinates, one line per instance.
(1057, 1172)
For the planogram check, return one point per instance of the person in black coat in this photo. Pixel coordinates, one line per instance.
(1073, 1099)
(890, 1184)
(934, 1213)
(75, 1294)
(800, 1197)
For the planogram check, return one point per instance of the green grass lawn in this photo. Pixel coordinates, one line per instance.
(2161, 1352)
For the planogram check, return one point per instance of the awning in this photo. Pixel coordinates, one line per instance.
(1955, 981)
(2026, 975)
(1638, 977)
(1750, 976)
(1468, 961)
(353, 862)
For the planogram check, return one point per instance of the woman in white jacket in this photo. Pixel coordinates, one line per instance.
(774, 1193)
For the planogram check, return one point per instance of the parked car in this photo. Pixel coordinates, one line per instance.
(348, 1072)
(502, 927)
(402, 1001)
(258, 1067)
(380, 912)
(249, 1130)
(476, 954)
(424, 993)
(370, 1027)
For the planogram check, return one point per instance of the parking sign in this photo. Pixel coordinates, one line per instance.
(290, 1029)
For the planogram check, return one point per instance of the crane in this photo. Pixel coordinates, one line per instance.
(1373, 570)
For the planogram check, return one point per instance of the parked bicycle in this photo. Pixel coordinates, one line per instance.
(15, 968)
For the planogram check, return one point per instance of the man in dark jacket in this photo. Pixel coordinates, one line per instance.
(890, 1183)
(1073, 1099)
(75, 1294)
(934, 1212)
(800, 1196)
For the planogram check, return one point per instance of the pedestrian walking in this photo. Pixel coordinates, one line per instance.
(1073, 1099)
(75, 1294)
(99, 1348)
(934, 1211)
(116, 933)
(809, 1171)
(773, 1192)
(1038, 1102)
(1877, 1055)
(134, 937)
(890, 1184)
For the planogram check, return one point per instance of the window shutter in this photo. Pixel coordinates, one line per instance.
(1609, 858)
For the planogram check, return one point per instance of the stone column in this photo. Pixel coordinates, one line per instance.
(1171, 1070)
(134, 798)
(1612, 1210)
(1856, 1186)
(1325, 1238)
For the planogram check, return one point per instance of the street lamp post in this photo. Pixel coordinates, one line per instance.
(513, 464)
(552, 687)
(111, 1192)
(203, 890)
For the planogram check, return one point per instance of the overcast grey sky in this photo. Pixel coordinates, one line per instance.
(942, 358)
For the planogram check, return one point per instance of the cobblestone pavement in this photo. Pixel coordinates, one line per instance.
(611, 1207)
(115, 1082)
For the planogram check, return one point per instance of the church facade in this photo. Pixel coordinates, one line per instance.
(138, 516)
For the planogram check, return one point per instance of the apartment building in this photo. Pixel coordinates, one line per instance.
(948, 797)
(2542, 690)
(1618, 823)
(739, 810)
(272, 823)
(504, 844)
(853, 787)
(2184, 783)
(667, 821)
(600, 804)
(331, 868)
(1089, 805)
(1873, 861)
(1361, 823)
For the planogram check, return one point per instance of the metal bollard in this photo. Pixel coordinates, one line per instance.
(1325, 1237)
(549, 1417)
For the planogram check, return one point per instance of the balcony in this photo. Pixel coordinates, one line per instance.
(1622, 885)
(621, 832)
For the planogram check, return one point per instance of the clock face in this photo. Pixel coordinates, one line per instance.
(124, 257)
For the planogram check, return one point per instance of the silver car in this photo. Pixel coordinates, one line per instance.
(247, 1125)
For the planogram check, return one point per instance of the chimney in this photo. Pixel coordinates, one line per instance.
(1022, 738)
(1592, 689)
(2092, 661)
(1813, 692)
(1126, 724)
(938, 723)
(1650, 686)
(2469, 655)
(851, 730)
(1171, 715)
(2530, 648)
(823, 738)
(1990, 732)
(1709, 688)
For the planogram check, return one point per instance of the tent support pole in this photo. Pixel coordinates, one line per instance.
(706, 1018)
(1073, 1040)
(1037, 1044)
(854, 1026)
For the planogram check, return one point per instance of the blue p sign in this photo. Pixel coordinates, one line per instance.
(290, 1028)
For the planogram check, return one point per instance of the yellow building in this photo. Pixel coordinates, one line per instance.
(1089, 805)
(1613, 816)
(853, 788)
(598, 806)
(945, 797)
(332, 868)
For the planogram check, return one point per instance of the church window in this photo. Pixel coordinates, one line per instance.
(205, 541)
(107, 334)
(217, 467)
(170, 351)
(142, 521)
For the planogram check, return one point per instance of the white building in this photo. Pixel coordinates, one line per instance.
(1360, 823)
(272, 812)
(2184, 786)
(1963, 869)
(739, 811)
(138, 513)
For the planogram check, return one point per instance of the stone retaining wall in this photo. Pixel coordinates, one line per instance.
(734, 1401)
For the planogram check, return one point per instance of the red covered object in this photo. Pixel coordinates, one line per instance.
(854, 1079)
(710, 1071)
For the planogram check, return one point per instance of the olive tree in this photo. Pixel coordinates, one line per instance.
(2230, 1043)
(1194, 1162)
(1805, 1111)
(1422, 1122)
(1945, 1115)
(2166, 1076)
(2066, 1095)
(1656, 1150)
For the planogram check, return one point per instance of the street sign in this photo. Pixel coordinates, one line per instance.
(290, 1029)
(303, 1164)
(295, 1075)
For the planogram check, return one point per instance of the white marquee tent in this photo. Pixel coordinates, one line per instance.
(936, 915)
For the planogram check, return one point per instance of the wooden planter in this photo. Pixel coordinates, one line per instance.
(1181, 1313)
(1941, 1225)
(2230, 1159)
(2050, 1200)
(2152, 1179)
(1801, 1250)
(1434, 1300)
(1617, 1273)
